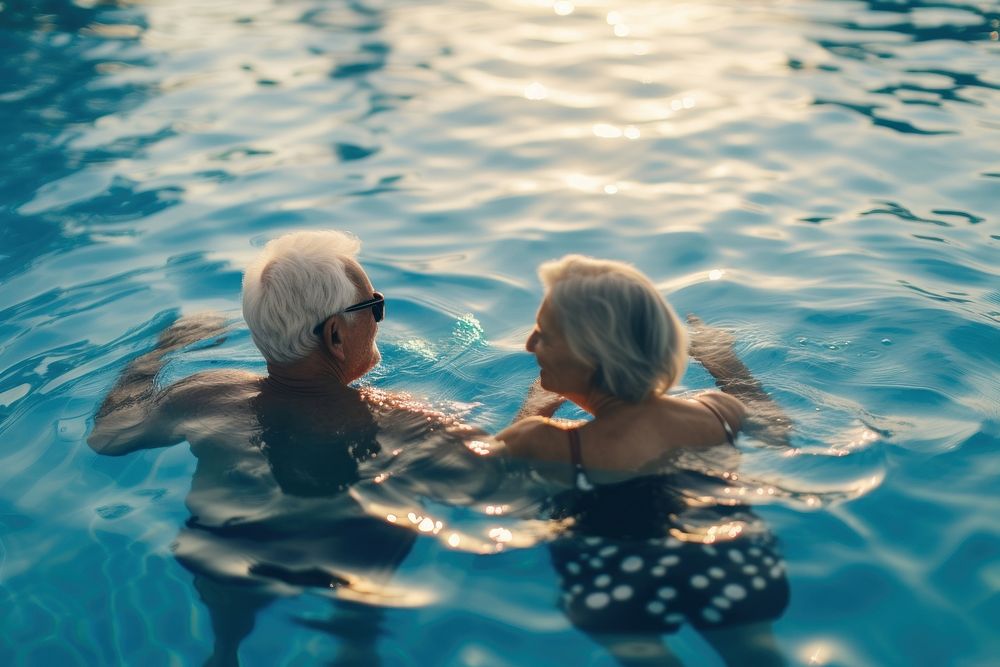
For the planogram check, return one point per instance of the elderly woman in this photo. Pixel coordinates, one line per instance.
(646, 550)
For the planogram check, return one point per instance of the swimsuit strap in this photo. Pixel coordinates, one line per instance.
(730, 436)
(576, 457)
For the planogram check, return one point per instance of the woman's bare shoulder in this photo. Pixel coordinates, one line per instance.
(732, 408)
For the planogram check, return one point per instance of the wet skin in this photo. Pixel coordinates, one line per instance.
(276, 457)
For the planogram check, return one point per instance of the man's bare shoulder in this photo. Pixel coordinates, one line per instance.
(214, 411)
(210, 389)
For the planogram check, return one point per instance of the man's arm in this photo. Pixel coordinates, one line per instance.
(713, 349)
(135, 414)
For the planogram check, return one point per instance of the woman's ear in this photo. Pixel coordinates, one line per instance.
(332, 340)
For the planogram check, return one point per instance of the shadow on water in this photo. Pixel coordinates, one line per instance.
(909, 19)
(903, 213)
(978, 29)
(870, 110)
(359, 67)
(55, 61)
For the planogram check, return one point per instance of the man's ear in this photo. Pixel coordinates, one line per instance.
(332, 340)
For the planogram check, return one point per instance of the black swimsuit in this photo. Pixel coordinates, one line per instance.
(631, 563)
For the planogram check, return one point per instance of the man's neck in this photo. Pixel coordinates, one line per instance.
(314, 375)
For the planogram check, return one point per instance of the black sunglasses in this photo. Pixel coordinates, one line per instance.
(377, 305)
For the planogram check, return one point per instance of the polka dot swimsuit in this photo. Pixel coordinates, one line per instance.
(622, 571)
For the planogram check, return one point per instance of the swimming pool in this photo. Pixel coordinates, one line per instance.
(820, 177)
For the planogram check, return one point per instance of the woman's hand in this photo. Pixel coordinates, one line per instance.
(540, 402)
(712, 348)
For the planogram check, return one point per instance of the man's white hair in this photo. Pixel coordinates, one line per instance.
(298, 280)
(614, 319)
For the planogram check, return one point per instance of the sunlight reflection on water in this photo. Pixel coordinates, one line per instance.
(820, 178)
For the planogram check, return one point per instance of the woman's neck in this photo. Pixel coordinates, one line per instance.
(603, 405)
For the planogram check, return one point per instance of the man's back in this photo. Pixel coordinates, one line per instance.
(278, 471)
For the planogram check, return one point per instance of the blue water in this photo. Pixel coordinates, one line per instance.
(821, 178)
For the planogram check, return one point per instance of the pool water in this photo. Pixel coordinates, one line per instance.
(820, 178)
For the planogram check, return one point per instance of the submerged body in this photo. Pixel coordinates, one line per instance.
(270, 497)
(649, 549)
(271, 503)
(655, 551)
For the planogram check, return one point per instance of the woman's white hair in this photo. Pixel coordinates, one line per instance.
(298, 280)
(614, 319)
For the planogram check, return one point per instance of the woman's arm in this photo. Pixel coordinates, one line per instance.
(713, 349)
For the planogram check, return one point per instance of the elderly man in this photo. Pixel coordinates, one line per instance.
(313, 314)
(276, 452)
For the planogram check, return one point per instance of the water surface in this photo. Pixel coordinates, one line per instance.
(821, 178)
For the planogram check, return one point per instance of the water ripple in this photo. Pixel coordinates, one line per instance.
(819, 178)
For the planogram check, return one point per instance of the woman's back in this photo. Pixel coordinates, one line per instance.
(621, 444)
(632, 437)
